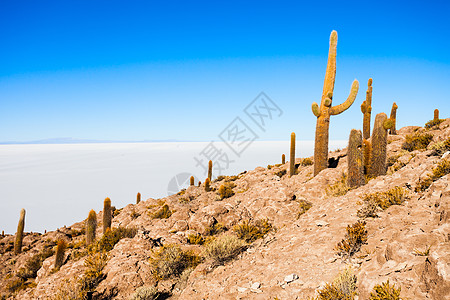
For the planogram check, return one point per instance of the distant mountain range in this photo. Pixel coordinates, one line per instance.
(68, 140)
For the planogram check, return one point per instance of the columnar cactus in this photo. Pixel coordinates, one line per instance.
(366, 109)
(207, 185)
(107, 214)
(192, 181)
(393, 117)
(292, 158)
(283, 159)
(138, 198)
(367, 149)
(19, 234)
(91, 227)
(436, 114)
(60, 251)
(355, 159)
(379, 144)
(210, 170)
(325, 110)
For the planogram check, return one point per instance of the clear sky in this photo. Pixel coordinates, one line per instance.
(156, 70)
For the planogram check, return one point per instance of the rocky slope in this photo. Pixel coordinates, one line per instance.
(292, 262)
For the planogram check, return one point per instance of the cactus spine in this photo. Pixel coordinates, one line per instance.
(60, 251)
(436, 114)
(283, 159)
(292, 158)
(325, 110)
(210, 170)
(138, 198)
(366, 109)
(107, 214)
(393, 117)
(19, 234)
(192, 180)
(355, 159)
(207, 183)
(91, 227)
(379, 144)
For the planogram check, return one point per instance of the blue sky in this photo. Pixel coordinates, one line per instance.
(147, 70)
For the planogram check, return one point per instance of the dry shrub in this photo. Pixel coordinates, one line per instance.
(145, 293)
(343, 287)
(251, 231)
(112, 237)
(163, 213)
(214, 229)
(33, 264)
(433, 124)
(226, 190)
(171, 260)
(417, 141)
(303, 207)
(307, 162)
(69, 289)
(281, 173)
(442, 169)
(368, 210)
(195, 239)
(441, 147)
(223, 249)
(356, 236)
(93, 274)
(385, 291)
(339, 188)
(384, 200)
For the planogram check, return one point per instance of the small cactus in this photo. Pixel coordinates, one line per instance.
(283, 159)
(393, 117)
(436, 114)
(192, 180)
(367, 156)
(210, 170)
(325, 110)
(355, 160)
(207, 185)
(19, 234)
(91, 227)
(60, 251)
(138, 198)
(199, 183)
(292, 158)
(379, 144)
(107, 214)
(366, 109)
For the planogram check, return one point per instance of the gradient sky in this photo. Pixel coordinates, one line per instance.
(152, 70)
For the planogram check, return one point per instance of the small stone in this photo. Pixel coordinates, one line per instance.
(322, 223)
(242, 289)
(255, 286)
(291, 277)
(445, 154)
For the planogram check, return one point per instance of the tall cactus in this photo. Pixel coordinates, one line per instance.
(91, 227)
(192, 181)
(210, 170)
(292, 157)
(436, 114)
(283, 159)
(355, 159)
(325, 110)
(19, 234)
(379, 144)
(138, 198)
(60, 251)
(393, 117)
(366, 109)
(367, 149)
(107, 214)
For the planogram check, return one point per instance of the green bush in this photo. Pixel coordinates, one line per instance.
(171, 260)
(251, 231)
(417, 141)
(223, 249)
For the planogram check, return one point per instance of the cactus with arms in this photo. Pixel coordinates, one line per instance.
(379, 144)
(355, 159)
(325, 110)
(393, 117)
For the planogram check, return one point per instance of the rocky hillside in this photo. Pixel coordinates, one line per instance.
(261, 235)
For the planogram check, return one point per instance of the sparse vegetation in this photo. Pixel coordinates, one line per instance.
(281, 173)
(339, 188)
(223, 248)
(417, 141)
(384, 200)
(251, 231)
(145, 293)
(112, 237)
(303, 207)
(95, 263)
(425, 252)
(163, 213)
(433, 124)
(343, 287)
(356, 236)
(307, 162)
(226, 190)
(442, 169)
(441, 147)
(214, 229)
(171, 260)
(385, 291)
(195, 239)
